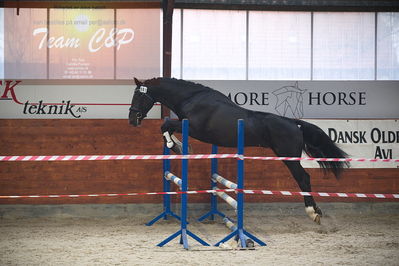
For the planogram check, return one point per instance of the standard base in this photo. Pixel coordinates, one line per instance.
(183, 238)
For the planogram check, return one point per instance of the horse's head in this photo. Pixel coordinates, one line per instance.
(142, 102)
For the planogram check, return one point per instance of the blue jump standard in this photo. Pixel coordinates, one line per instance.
(239, 232)
(183, 232)
(166, 198)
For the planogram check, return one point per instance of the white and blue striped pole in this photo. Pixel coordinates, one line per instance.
(214, 201)
(183, 232)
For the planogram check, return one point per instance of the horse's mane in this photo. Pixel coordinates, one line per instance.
(181, 82)
(189, 87)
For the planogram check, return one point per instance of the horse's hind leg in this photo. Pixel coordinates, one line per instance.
(288, 142)
(303, 180)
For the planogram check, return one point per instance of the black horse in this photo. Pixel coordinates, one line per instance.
(213, 119)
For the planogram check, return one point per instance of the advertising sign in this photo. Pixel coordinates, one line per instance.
(370, 139)
(314, 99)
(304, 99)
(28, 99)
(80, 43)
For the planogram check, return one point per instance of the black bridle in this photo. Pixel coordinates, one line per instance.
(139, 113)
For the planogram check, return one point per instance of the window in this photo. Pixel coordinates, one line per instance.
(279, 45)
(206, 44)
(25, 55)
(176, 43)
(388, 46)
(80, 43)
(343, 46)
(142, 58)
(1, 44)
(214, 44)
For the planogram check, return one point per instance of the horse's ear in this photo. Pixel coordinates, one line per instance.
(138, 83)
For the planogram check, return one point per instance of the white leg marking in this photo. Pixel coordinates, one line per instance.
(169, 142)
(312, 214)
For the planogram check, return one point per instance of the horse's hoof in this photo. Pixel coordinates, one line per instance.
(250, 243)
(314, 213)
(317, 219)
(178, 149)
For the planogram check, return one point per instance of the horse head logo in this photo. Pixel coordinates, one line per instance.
(289, 98)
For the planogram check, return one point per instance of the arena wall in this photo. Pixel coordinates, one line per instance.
(117, 137)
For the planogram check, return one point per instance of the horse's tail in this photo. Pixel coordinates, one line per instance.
(319, 145)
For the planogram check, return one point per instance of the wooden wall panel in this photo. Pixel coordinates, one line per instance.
(108, 137)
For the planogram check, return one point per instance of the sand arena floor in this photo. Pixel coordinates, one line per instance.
(358, 239)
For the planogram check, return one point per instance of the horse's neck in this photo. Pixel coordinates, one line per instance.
(172, 95)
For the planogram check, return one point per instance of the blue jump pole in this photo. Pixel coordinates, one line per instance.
(166, 188)
(240, 182)
(183, 232)
(240, 231)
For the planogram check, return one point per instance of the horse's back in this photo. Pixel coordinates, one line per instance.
(213, 119)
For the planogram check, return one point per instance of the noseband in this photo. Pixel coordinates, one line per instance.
(139, 113)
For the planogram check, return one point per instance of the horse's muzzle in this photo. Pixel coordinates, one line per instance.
(135, 119)
(135, 123)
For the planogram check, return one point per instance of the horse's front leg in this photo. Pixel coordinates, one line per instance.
(168, 128)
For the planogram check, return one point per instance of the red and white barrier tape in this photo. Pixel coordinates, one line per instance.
(322, 194)
(319, 159)
(246, 191)
(119, 194)
(172, 157)
(111, 157)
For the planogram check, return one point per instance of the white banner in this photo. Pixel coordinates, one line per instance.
(314, 99)
(371, 139)
(20, 100)
(107, 99)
